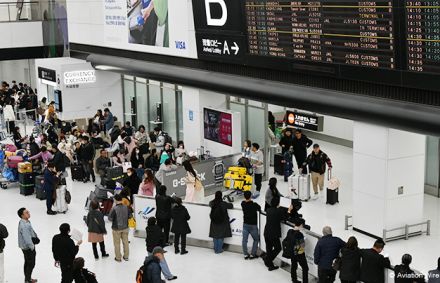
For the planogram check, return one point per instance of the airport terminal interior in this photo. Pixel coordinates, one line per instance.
(154, 127)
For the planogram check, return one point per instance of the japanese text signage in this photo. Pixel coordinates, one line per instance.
(47, 74)
(304, 121)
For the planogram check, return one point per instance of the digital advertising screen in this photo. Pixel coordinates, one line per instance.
(217, 126)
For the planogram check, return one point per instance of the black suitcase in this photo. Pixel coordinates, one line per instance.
(77, 172)
(26, 178)
(332, 196)
(27, 189)
(39, 185)
(114, 172)
(278, 164)
(101, 192)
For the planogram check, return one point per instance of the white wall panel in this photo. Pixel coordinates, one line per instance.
(21, 34)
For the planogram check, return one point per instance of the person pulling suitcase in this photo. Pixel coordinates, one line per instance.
(317, 162)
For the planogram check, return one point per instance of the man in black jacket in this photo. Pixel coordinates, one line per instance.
(64, 252)
(300, 145)
(374, 264)
(326, 250)
(317, 161)
(3, 235)
(87, 156)
(272, 231)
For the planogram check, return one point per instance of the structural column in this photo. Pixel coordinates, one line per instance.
(388, 179)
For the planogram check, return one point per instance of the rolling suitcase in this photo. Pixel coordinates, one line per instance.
(26, 178)
(101, 192)
(278, 164)
(332, 189)
(27, 189)
(60, 204)
(106, 206)
(77, 172)
(114, 173)
(39, 187)
(299, 187)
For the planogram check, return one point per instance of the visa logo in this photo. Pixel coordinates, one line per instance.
(180, 44)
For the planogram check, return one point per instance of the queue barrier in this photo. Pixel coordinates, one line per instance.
(144, 208)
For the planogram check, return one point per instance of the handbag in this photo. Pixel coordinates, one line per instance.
(337, 263)
(35, 240)
(198, 185)
(131, 223)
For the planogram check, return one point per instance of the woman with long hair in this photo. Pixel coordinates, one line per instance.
(194, 188)
(271, 193)
(220, 228)
(147, 187)
(350, 262)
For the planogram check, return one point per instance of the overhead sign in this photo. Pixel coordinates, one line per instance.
(219, 30)
(220, 46)
(47, 74)
(304, 121)
(79, 77)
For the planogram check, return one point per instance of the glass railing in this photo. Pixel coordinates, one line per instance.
(20, 11)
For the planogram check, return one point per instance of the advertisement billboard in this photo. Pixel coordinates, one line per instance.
(161, 26)
(217, 126)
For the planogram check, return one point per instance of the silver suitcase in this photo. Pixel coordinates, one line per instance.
(299, 187)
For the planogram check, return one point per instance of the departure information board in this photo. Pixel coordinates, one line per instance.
(423, 35)
(351, 32)
(392, 42)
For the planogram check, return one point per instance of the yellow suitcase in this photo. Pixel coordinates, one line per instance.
(24, 167)
(237, 179)
(10, 153)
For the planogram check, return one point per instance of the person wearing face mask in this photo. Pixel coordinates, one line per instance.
(137, 161)
(180, 153)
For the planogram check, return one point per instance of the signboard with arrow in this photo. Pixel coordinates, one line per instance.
(220, 46)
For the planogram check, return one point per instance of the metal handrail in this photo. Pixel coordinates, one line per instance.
(15, 10)
(407, 234)
(346, 222)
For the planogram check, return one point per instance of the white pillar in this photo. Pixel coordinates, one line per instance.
(388, 179)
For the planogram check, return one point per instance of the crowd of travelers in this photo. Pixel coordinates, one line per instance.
(145, 157)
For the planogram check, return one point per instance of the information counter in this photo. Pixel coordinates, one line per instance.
(210, 172)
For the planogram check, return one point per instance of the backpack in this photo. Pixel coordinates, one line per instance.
(217, 216)
(287, 245)
(141, 275)
(167, 138)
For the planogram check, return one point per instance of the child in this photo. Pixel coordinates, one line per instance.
(180, 228)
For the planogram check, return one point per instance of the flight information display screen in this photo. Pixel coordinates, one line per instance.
(423, 35)
(391, 42)
(356, 33)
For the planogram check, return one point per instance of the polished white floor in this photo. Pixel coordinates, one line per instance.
(200, 265)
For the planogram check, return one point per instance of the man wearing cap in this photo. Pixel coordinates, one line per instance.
(153, 266)
(317, 161)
